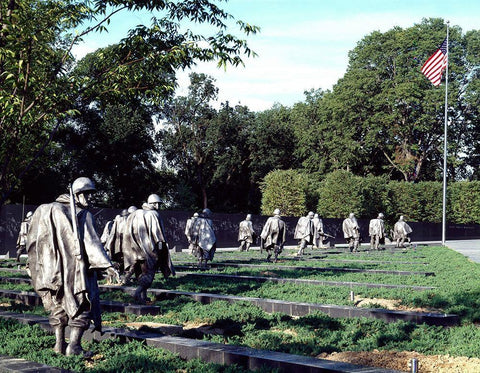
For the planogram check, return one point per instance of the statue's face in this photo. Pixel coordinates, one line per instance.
(83, 199)
(155, 205)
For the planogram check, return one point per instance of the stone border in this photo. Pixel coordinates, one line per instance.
(268, 305)
(350, 284)
(299, 308)
(304, 281)
(9, 364)
(319, 269)
(218, 353)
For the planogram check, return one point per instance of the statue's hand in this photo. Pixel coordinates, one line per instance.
(113, 273)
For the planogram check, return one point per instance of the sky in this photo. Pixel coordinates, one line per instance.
(302, 44)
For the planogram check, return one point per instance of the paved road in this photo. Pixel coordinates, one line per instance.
(469, 248)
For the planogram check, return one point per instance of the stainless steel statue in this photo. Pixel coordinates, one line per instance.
(318, 233)
(64, 256)
(22, 235)
(246, 234)
(203, 238)
(351, 232)
(376, 230)
(304, 231)
(188, 233)
(145, 248)
(115, 242)
(273, 235)
(401, 230)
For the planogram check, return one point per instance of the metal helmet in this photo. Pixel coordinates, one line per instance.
(124, 212)
(29, 214)
(276, 212)
(206, 212)
(131, 209)
(196, 215)
(401, 218)
(154, 198)
(83, 184)
(311, 214)
(249, 217)
(380, 216)
(352, 215)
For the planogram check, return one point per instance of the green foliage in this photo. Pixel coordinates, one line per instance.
(464, 202)
(41, 84)
(32, 343)
(341, 193)
(287, 190)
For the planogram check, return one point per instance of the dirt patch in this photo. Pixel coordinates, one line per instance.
(400, 361)
(286, 331)
(268, 274)
(389, 304)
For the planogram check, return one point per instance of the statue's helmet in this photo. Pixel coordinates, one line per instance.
(124, 212)
(316, 216)
(352, 215)
(276, 212)
(196, 215)
(401, 217)
(154, 198)
(311, 214)
(206, 212)
(380, 216)
(131, 209)
(83, 184)
(29, 214)
(249, 217)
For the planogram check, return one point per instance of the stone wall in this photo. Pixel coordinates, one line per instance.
(226, 228)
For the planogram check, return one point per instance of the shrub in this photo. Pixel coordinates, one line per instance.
(288, 190)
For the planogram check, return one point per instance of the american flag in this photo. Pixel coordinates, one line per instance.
(434, 66)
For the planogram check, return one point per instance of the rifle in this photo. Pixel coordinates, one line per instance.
(327, 235)
(76, 236)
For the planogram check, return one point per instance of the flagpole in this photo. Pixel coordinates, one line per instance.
(444, 201)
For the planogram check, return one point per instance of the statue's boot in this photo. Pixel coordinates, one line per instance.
(269, 256)
(60, 344)
(140, 295)
(74, 346)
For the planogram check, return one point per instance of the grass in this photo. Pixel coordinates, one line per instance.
(33, 343)
(457, 291)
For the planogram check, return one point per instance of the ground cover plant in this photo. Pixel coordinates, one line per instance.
(456, 291)
(455, 280)
(34, 344)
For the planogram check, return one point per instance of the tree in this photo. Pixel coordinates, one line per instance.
(272, 143)
(385, 116)
(185, 141)
(39, 87)
(231, 186)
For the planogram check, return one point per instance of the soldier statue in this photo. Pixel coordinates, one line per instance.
(246, 234)
(22, 235)
(188, 233)
(145, 248)
(351, 232)
(401, 230)
(273, 235)
(203, 238)
(304, 231)
(376, 230)
(64, 256)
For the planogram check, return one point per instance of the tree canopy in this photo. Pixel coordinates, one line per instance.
(41, 84)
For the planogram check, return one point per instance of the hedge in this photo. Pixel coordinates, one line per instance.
(341, 193)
